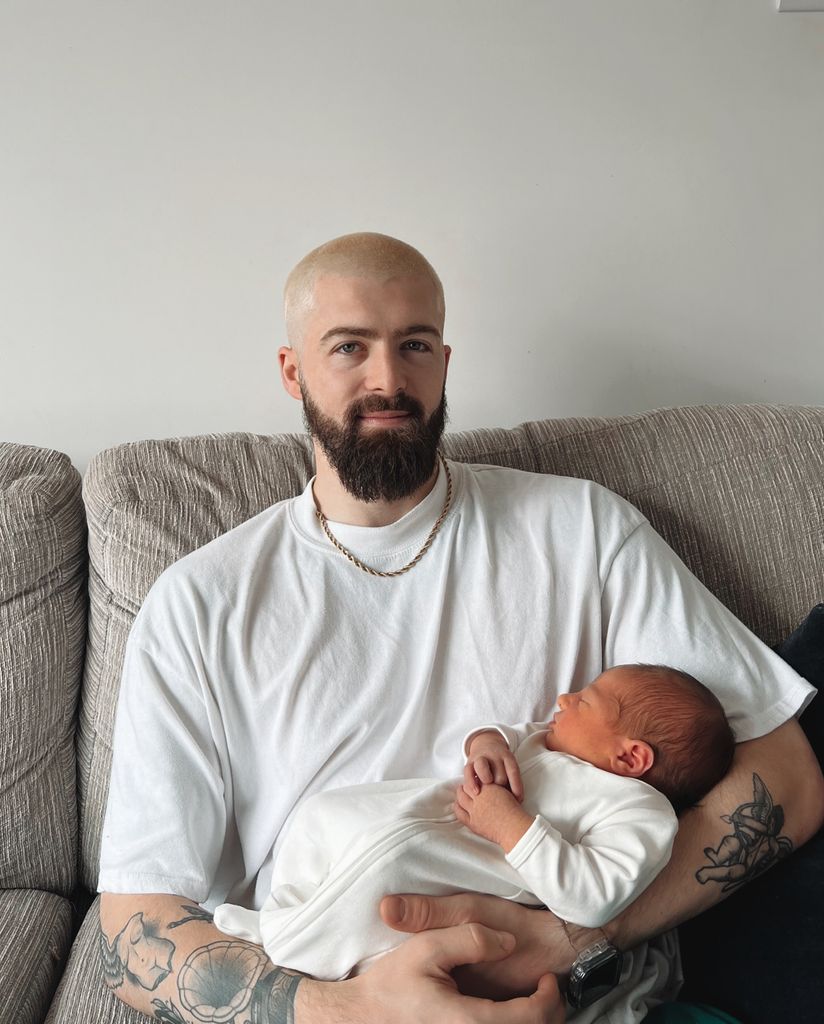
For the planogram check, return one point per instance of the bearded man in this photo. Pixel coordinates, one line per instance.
(356, 633)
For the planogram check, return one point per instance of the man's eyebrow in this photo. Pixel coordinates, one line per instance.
(356, 332)
(418, 329)
(367, 332)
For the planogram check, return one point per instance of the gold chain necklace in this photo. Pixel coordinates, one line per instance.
(426, 544)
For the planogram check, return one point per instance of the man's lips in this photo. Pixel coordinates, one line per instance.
(386, 418)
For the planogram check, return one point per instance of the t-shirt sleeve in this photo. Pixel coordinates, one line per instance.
(166, 817)
(656, 612)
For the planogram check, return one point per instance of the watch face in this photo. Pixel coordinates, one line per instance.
(594, 974)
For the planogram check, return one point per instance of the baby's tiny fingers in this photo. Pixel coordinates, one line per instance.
(471, 780)
(513, 773)
(483, 771)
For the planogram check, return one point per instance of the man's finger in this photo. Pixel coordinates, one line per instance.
(544, 1006)
(411, 913)
(465, 944)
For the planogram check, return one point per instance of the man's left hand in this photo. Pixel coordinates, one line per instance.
(542, 944)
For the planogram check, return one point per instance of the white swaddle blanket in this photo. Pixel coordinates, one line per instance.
(596, 842)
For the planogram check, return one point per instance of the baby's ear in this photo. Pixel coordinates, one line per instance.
(634, 758)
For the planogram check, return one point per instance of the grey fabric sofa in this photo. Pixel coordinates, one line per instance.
(736, 490)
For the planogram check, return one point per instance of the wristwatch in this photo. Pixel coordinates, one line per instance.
(595, 972)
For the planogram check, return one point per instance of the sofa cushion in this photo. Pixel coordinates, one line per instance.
(35, 935)
(42, 638)
(729, 488)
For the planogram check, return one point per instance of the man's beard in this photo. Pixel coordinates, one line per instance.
(386, 463)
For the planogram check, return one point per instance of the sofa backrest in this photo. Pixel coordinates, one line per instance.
(736, 491)
(42, 639)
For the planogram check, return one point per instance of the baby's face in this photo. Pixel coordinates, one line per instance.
(586, 723)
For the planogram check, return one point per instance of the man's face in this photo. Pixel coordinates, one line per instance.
(371, 372)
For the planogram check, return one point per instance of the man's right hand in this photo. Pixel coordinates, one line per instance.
(413, 984)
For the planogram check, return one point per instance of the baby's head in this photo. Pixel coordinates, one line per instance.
(650, 722)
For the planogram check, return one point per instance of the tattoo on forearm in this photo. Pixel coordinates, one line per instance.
(168, 1012)
(137, 954)
(224, 982)
(196, 913)
(753, 846)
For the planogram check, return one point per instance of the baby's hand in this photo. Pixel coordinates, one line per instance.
(494, 814)
(491, 761)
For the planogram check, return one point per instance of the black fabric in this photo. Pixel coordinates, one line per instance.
(759, 955)
(804, 650)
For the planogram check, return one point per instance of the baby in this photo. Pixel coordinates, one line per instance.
(577, 815)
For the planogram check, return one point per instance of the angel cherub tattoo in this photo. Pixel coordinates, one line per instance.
(753, 846)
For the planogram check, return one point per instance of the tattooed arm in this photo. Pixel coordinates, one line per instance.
(770, 802)
(163, 956)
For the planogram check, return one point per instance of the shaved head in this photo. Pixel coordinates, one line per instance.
(365, 254)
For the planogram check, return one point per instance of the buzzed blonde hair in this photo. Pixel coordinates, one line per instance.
(363, 254)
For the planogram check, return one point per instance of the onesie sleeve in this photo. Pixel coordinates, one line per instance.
(514, 735)
(589, 881)
(166, 816)
(655, 611)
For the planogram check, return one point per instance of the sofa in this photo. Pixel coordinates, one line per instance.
(737, 491)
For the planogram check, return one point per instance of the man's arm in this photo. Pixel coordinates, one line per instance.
(770, 802)
(162, 955)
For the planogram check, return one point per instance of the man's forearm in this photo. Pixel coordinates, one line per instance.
(771, 802)
(163, 956)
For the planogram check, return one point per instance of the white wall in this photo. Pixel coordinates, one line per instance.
(625, 200)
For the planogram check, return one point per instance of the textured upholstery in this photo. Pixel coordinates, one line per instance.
(35, 933)
(736, 491)
(42, 638)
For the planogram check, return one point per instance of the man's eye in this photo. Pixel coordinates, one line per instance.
(416, 346)
(347, 348)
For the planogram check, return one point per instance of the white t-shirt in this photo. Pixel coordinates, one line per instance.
(265, 666)
(596, 842)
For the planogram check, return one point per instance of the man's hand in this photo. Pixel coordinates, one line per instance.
(493, 813)
(413, 983)
(542, 942)
(491, 760)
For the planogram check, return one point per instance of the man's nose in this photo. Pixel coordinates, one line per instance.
(385, 371)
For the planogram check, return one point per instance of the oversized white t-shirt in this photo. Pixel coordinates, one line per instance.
(265, 666)
(595, 843)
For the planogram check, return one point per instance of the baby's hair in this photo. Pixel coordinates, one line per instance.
(686, 727)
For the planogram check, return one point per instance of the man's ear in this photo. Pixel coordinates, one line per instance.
(289, 371)
(632, 758)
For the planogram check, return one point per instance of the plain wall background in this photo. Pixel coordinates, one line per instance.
(624, 199)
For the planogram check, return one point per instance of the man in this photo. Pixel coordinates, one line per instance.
(355, 633)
